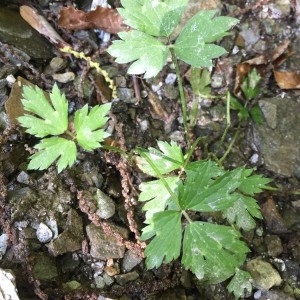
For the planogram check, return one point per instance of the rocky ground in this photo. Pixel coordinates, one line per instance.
(55, 241)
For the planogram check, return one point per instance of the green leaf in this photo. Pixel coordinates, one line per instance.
(240, 282)
(156, 195)
(242, 111)
(170, 158)
(148, 53)
(201, 192)
(257, 115)
(212, 252)
(250, 85)
(166, 244)
(88, 126)
(52, 149)
(252, 184)
(157, 18)
(200, 81)
(242, 213)
(192, 45)
(51, 117)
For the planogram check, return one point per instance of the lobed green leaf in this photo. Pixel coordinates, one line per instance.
(250, 85)
(212, 252)
(88, 126)
(201, 192)
(157, 18)
(252, 184)
(53, 149)
(51, 117)
(168, 159)
(156, 196)
(242, 213)
(193, 44)
(149, 54)
(240, 282)
(166, 231)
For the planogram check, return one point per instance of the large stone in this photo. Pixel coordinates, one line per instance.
(278, 139)
(71, 238)
(44, 267)
(8, 288)
(16, 31)
(105, 246)
(263, 274)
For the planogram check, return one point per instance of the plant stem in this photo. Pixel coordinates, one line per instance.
(220, 161)
(182, 97)
(187, 216)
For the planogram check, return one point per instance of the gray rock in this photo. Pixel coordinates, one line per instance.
(72, 285)
(278, 139)
(130, 260)
(23, 177)
(64, 77)
(171, 78)
(44, 267)
(108, 279)
(71, 238)
(16, 31)
(8, 290)
(44, 233)
(105, 205)
(272, 295)
(57, 63)
(99, 282)
(105, 246)
(274, 245)
(263, 274)
(3, 244)
(124, 278)
(125, 95)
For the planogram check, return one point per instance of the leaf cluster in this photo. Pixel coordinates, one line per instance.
(49, 117)
(148, 44)
(211, 251)
(250, 89)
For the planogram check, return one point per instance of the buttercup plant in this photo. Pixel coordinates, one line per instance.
(182, 190)
(149, 44)
(212, 252)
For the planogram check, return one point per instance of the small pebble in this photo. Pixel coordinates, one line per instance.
(171, 78)
(57, 64)
(43, 233)
(3, 244)
(64, 77)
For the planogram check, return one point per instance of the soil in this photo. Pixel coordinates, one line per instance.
(50, 232)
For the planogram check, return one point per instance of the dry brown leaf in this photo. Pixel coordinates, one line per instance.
(107, 19)
(40, 24)
(287, 80)
(262, 64)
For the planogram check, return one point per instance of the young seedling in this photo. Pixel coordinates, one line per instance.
(149, 44)
(212, 252)
(50, 118)
(250, 89)
(182, 189)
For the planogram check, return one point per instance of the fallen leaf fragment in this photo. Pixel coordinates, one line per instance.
(263, 63)
(105, 18)
(40, 24)
(287, 80)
